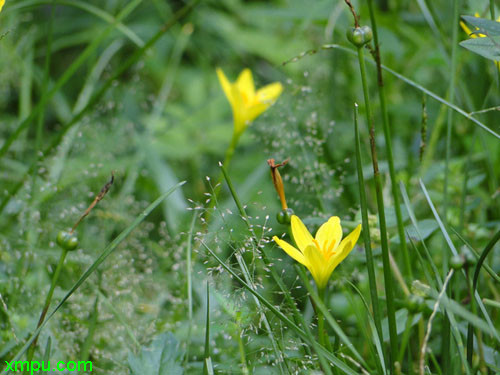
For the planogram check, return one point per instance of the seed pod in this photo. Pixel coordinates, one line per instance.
(67, 241)
(284, 216)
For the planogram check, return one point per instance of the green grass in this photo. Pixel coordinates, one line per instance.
(183, 277)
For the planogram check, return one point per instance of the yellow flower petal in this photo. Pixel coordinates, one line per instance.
(268, 94)
(300, 233)
(329, 235)
(467, 30)
(316, 265)
(245, 85)
(2, 2)
(226, 86)
(255, 111)
(239, 115)
(290, 250)
(344, 249)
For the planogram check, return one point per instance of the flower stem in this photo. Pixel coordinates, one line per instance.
(227, 160)
(388, 145)
(389, 291)
(321, 318)
(55, 277)
(366, 231)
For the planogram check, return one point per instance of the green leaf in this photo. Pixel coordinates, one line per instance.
(490, 28)
(162, 357)
(488, 47)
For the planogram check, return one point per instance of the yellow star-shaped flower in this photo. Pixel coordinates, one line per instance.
(2, 2)
(322, 254)
(246, 102)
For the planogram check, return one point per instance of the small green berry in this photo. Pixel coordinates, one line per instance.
(67, 241)
(284, 216)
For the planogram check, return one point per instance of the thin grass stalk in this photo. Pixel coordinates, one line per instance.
(423, 349)
(475, 278)
(388, 144)
(87, 343)
(189, 286)
(446, 343)
(366, 230)
(388, 280)
(206, 357)
(48, 299)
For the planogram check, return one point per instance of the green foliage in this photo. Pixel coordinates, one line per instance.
(91, 87)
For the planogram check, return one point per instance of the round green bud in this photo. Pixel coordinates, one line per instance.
(359, 36)
(67, 241)
(367, 34)
(457, 262)
(284, 216)
(355, 36)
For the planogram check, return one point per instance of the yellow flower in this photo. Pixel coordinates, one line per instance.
(247, 103)
(321, 255)
(2, 2)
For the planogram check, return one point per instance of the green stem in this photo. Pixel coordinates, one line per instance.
(388, 146)
(46, 306)
(87, 344)
(475, 278)
(366, 231)
(321, 318)
(389, 290)
(446, 326)
(227, 160)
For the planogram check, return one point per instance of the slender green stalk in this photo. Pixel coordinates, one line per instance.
(227, 161)
(388, 281)
(189, 270)
(87, 344)
(46, 305)
(241, 347)
(321, 319)
(366, 230)
(405, 338)
(475, 278)
(206, 358)
(388, 145)
(454, 46)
